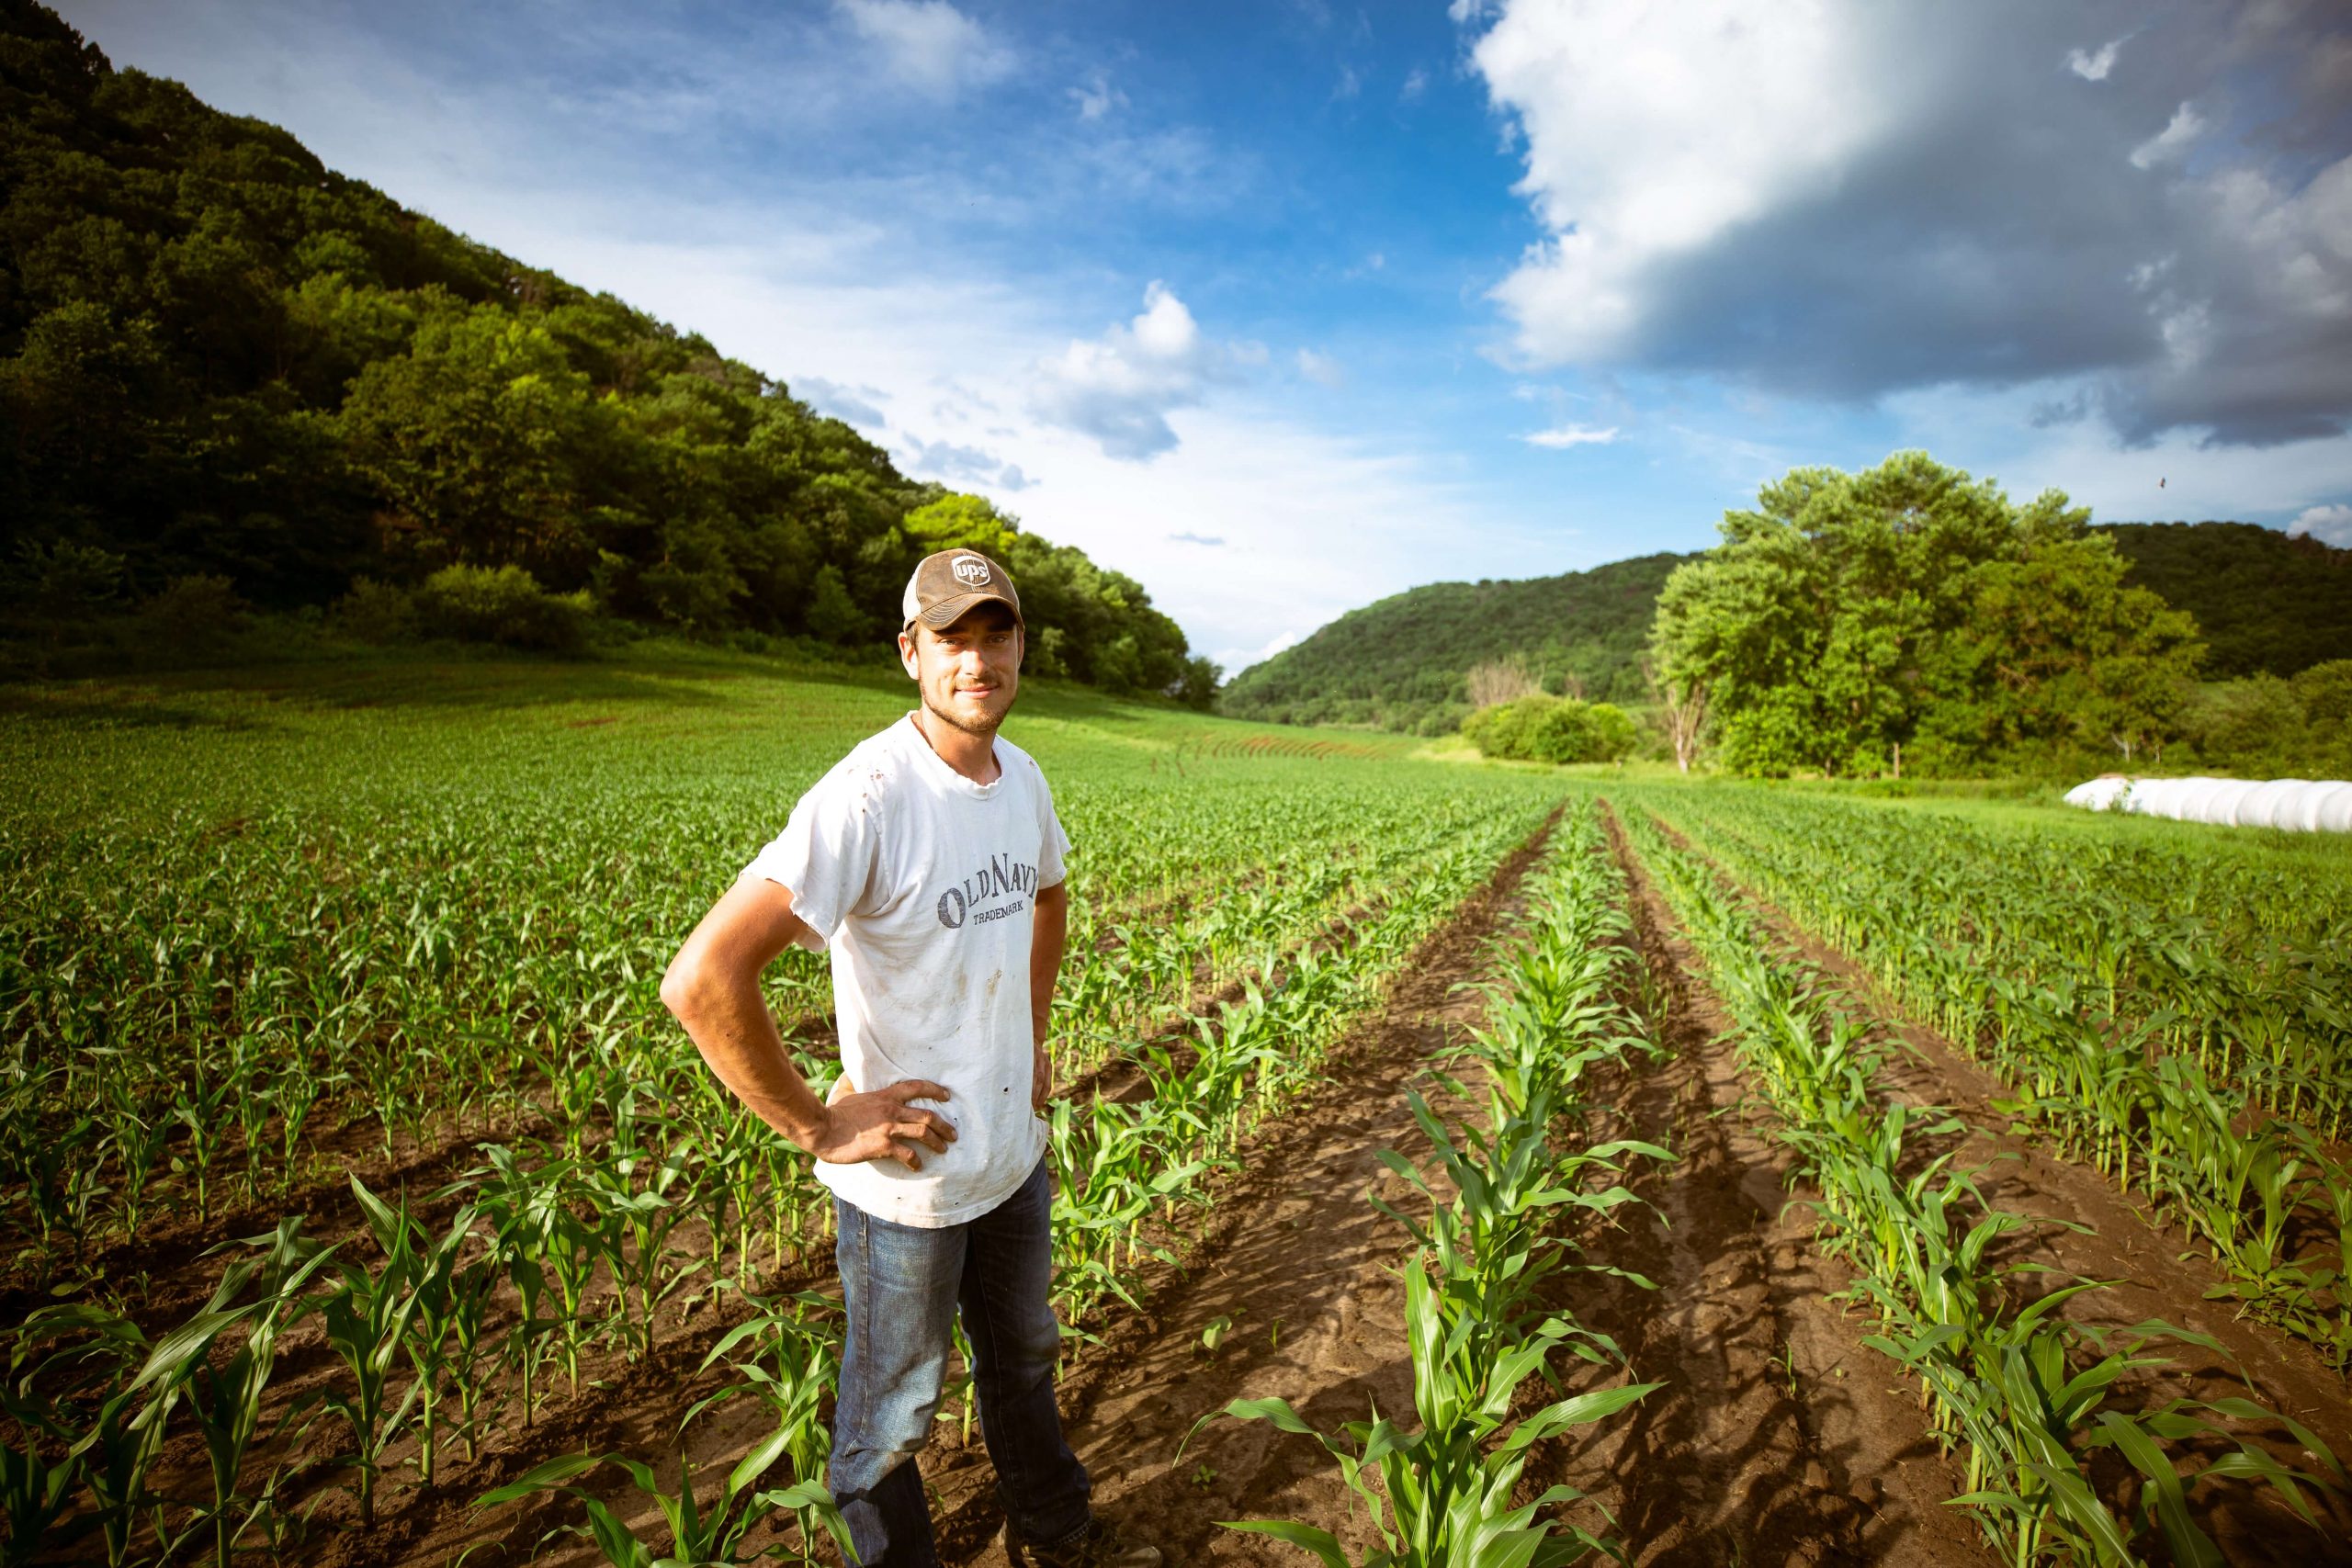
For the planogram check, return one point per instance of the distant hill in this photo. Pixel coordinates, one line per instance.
(2265, 603)
(222, 359)
(1399, 663)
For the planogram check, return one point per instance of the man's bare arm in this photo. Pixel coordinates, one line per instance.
(1047, 937)
(713, 988)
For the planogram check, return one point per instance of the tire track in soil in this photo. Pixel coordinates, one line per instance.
(1777, 1437)
(1298, 1260)
(2156, 1271)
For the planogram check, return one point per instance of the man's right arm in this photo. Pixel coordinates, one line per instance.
(712, 987)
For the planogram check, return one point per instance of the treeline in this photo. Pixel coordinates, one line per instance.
(230, 375)
(1909, 618)
(2263, 604)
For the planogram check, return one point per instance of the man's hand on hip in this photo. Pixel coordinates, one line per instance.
(1041, 1079)
(882, 1125)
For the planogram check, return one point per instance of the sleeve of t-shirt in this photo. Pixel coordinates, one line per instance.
(825, 857)
(1053, 843)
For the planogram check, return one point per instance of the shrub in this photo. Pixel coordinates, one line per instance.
(376, 612)
(197, 610)
(507, 605)
(1552, 729)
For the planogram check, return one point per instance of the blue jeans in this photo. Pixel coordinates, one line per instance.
(899, 1286)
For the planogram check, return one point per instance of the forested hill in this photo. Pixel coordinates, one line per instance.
(2264, 600)
(1400, 662)
(220, 358)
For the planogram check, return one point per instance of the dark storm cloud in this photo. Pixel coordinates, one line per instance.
(2176, 234)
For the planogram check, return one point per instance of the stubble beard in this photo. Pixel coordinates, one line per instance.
(954, 721)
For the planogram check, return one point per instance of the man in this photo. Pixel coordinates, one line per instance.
(929, 861)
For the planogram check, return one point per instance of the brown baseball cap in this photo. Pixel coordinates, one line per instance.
(949, 583)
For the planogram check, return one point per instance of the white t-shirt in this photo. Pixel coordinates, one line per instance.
(923, 884)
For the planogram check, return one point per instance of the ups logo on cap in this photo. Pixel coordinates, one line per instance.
(970, 571)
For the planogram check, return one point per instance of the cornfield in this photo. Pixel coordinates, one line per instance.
(360, 1197)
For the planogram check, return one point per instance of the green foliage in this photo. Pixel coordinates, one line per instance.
(376, 612)
(2266, 604)
(1852, 622)
(2262, 726)
(196, 610)
(220, 359)
(1404, 658)
(1552, 729)
(504, 604)
(831, 615)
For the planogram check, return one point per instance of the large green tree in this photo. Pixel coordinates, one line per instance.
(1855, 623)
(220, 358)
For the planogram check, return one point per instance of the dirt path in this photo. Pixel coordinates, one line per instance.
(2154, 1275)
(2157, 1274)
(1297, 1261)
(1126, 1399)
(1778, 1439)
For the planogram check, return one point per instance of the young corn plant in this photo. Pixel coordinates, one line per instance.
(225, 1402)
(698, 1536)
(1440, 1496)
(371, 1318)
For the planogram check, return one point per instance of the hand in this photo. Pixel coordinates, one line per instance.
(882, 1125)
(1041, 1079)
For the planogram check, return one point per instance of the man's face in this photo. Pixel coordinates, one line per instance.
(968, 671)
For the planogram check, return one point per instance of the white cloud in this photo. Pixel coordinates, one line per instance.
(2169, 145)
(2093, 65)
(1237, 662)
(852, 405)
(1209, 540)
(1319, 368)
(1119, 389)
(1561, 437)
(1097, 98)
(1417, 82)
(2330, 525)
(955, 464)
(1684, 162)
(2176, 477)
(1652, 132)
(929, 44)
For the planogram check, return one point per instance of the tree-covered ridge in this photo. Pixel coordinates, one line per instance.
(218, 356)
(2265, 602)
(1403, 662)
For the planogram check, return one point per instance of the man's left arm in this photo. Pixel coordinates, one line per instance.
(1047, 936)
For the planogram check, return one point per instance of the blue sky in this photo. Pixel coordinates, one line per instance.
(1282, 307)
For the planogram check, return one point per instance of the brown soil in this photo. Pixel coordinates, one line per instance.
(2154, 1277)
(1116, 1393)
(1724, 1465)
(1777, 1437)
(1296, 1260)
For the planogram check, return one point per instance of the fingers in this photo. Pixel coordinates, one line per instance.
(916, 1088)
(933, 1134)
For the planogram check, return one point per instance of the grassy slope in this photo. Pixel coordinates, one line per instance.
(383, 730)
